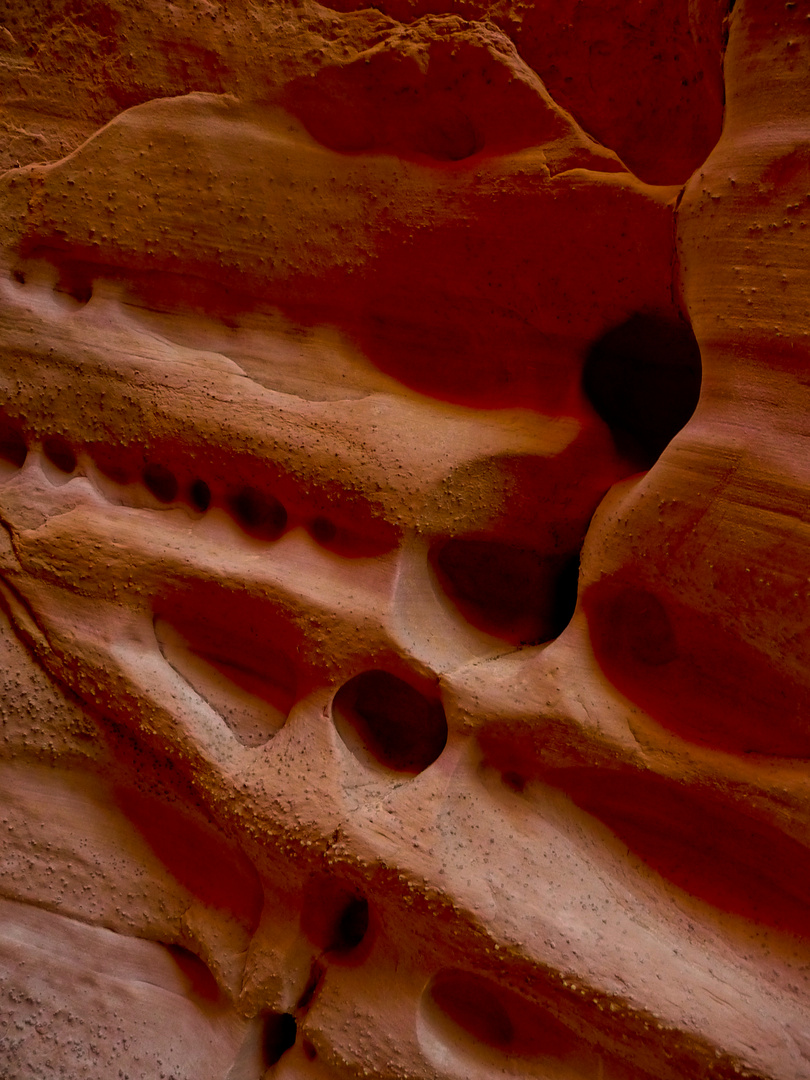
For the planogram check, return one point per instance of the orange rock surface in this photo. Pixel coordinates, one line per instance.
(405, 549)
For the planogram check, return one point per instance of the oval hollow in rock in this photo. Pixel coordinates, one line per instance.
(474, 1005)
(468, 1014)
(161, 482)
(112, 465)
(258, 513)
(738, 864)
(693, 673)
(200, 495)
(450, 136)
(643, 378)
(76, 281)
(13, 448)
(334, 916)
(642, 620)
(280, 1033)
(82, 292)
(511, 592)
(386, 722)
(197, 976)
(58, 451)
(352, 925)
(253, 694)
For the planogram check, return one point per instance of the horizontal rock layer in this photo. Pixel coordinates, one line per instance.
(404, 560)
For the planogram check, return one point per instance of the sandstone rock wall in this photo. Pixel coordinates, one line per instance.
(405, 558)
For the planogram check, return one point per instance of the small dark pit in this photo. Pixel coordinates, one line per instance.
(200, 495)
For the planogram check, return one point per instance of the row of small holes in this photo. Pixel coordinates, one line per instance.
(257, 512)
(475, 574)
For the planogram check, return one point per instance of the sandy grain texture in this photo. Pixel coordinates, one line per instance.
(405, 549)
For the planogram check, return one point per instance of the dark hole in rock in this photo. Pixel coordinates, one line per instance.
(59, 453)
(280, 1031)
(200, 494)
(161, 482)
(76, 282)
(643, 378)
(564, 595)
(352, 925)
(19, 277)
(12, 444)
(259, 513)
(516, 593)
(335, 917)
(385, 721)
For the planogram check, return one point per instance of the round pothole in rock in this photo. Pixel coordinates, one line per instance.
(388, 724)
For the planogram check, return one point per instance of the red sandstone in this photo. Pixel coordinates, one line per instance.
(405, 555)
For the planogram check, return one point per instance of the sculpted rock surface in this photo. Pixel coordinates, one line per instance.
(404, 626)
